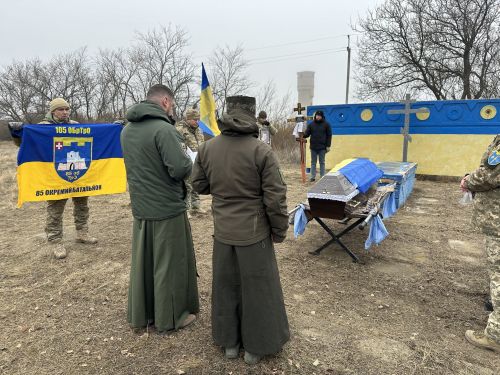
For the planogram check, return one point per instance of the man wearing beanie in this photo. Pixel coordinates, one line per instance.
(266, 130)
(59, 114)
(320, 132)
(193, 138)
(249, 209)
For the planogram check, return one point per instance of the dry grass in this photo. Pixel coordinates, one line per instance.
(285, 145)
(69, 317)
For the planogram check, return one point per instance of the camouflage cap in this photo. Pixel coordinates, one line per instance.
(242, 103)
(192, 114)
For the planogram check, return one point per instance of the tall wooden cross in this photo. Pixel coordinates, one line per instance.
(406, 129)
(299, 108)
(302, 141)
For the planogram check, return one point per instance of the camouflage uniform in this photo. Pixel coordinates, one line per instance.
(55, 208)
(193, 138)
(266, 130)
(485, 183)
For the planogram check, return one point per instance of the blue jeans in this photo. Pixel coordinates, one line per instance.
(314, 158)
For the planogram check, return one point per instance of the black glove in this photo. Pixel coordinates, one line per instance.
(15, 126)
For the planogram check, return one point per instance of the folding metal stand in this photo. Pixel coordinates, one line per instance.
(336, 238)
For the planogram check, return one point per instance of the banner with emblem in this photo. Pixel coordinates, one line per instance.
(69, 160)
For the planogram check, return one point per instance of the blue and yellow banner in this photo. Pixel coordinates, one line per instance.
(207, 106)
(63, 161)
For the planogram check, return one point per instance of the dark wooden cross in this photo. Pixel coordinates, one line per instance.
(302, 142)
(299, 108)
(406, 129)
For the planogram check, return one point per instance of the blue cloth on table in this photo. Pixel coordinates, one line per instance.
(378, 232)
(389, 208)
(362, 173)
(300, 221)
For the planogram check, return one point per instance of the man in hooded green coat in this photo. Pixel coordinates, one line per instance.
(163, 290)
(249, 209)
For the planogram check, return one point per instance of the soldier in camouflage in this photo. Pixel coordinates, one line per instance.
(193, 138)
(485, 183)
(59, 114)
(266, 130)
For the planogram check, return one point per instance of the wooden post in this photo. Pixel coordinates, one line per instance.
(302, 141)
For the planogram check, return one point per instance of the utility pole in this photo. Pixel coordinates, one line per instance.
(348, 69)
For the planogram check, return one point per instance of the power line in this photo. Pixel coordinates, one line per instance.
(296, 57)
(299, 42)
(285, 44)
(296, 54)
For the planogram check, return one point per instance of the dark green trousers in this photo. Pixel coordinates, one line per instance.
(247, 300)
(163, 287)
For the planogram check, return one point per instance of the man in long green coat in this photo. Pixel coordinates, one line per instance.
(249, 209)
(163, 290)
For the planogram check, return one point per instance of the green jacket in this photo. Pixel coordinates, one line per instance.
(155, 162)
(485, 182)
(243, 176)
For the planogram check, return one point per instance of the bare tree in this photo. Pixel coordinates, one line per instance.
(167, 62)
(445, 48)
(228, 76)
(20, 97)
(278, 108)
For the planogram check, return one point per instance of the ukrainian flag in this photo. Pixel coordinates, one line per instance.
(207, 106)
(63, 161)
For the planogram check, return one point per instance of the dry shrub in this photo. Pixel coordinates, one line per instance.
(285, 146)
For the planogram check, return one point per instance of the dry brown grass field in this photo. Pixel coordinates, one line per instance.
(403, 311)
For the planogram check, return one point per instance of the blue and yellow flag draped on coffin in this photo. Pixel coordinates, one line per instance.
(63, 161)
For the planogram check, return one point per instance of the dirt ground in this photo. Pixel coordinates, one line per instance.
(404, 311)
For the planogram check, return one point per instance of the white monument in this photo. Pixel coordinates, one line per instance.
(305, 88)
(74, 161)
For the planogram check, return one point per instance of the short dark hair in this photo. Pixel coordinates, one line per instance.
(159, 90)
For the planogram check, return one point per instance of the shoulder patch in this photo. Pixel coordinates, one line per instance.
(494, 158)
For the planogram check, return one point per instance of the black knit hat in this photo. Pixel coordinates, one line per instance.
(240, 102)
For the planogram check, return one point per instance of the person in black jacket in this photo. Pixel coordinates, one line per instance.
(321, 139)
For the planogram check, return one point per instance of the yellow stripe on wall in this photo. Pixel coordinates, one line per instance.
(436, 154)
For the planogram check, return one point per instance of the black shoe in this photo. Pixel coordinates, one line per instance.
(312, 180)
(488, 306)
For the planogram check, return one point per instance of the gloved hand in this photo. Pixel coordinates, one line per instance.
(15, 125)
(328, 149)
(277, 239)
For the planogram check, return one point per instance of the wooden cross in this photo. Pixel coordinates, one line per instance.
(302, 142)
(299, 108)
(406, 129)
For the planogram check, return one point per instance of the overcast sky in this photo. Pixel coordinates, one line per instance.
(43, 28)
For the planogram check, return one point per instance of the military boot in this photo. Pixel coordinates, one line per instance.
(252, 359)
(480, 340)
(82, 236)
(232, 352)
(58, 249)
